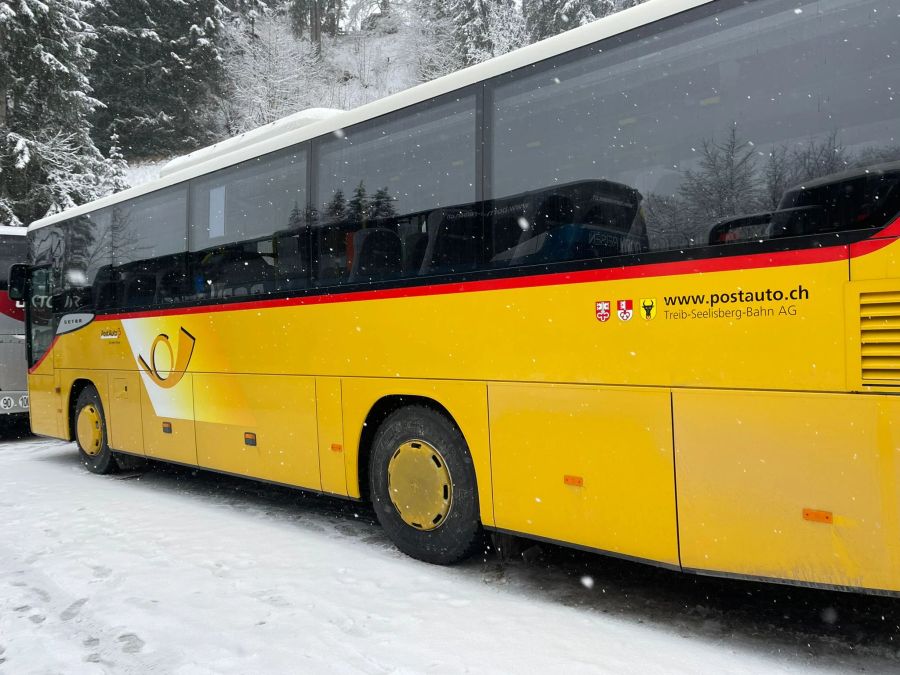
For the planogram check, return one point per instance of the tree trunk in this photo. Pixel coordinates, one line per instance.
(3, 105)
(4, 192)
(315, 26)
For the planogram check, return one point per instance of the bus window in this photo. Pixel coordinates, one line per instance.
(454, 241)
(41, 323)
(88, 248)
(579, 221)
(707, 123)
(378, 253)
(46, 250)
(263, 199)
(236, 270)
(149, 248)
(399, 176)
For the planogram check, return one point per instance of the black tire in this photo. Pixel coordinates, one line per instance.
(99, 458)
(128, 462)
(459, 533)
(14, 426)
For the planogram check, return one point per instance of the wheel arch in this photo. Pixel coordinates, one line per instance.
(366, 402)
(78, 386)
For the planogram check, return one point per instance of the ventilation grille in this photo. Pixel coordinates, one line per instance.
(879, 323)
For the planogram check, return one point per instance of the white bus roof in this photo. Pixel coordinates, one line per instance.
(209, 159)
(6, 229)
(248, 138)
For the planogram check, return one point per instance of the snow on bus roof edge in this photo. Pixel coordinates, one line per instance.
(252, 137)
(609, 26)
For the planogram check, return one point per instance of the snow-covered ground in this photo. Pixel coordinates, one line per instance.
(178, 571)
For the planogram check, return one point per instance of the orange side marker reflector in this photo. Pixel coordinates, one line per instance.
(574, 481)
(815, 516)
(249, 439)
(337, 447)
(167, 427)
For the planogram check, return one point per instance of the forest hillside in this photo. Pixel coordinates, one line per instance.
(88, 87)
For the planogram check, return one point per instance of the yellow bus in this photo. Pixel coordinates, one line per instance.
(634, 289)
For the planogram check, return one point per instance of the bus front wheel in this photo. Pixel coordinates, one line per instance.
(423, 486)
(90, 433)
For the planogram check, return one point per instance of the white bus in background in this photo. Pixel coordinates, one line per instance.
(13, 363)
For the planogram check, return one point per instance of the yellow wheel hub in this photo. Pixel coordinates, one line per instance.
(419, 485)
(89, 429)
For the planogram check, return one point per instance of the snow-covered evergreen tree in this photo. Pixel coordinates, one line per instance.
(313, 17)
(246, 11)
(433, 31)
(358, 206)
(158, 73)
(471, 28)
(336, 209)
(334, 14)
(382, 204)
(298, 13)
(507, 29)
(271, 74)
(248, 8)
(295, 219)
(546, 18)
(117, 178)
(625, 4)
(47, 159)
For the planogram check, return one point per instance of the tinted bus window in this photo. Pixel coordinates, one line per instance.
(716, 126)
(87, 254)
(149, 249)
(41, 323)
(46, 248)
(248, 227)
(576, 221)
(391, 194)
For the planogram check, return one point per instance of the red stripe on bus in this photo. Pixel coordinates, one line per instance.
(723, 264)
(862, 248)
(877, 242)
(706, 265)
(892, 230)
(43, 356)
(9, 307)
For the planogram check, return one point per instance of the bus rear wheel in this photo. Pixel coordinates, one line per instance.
(423, 486)
(90, 433)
